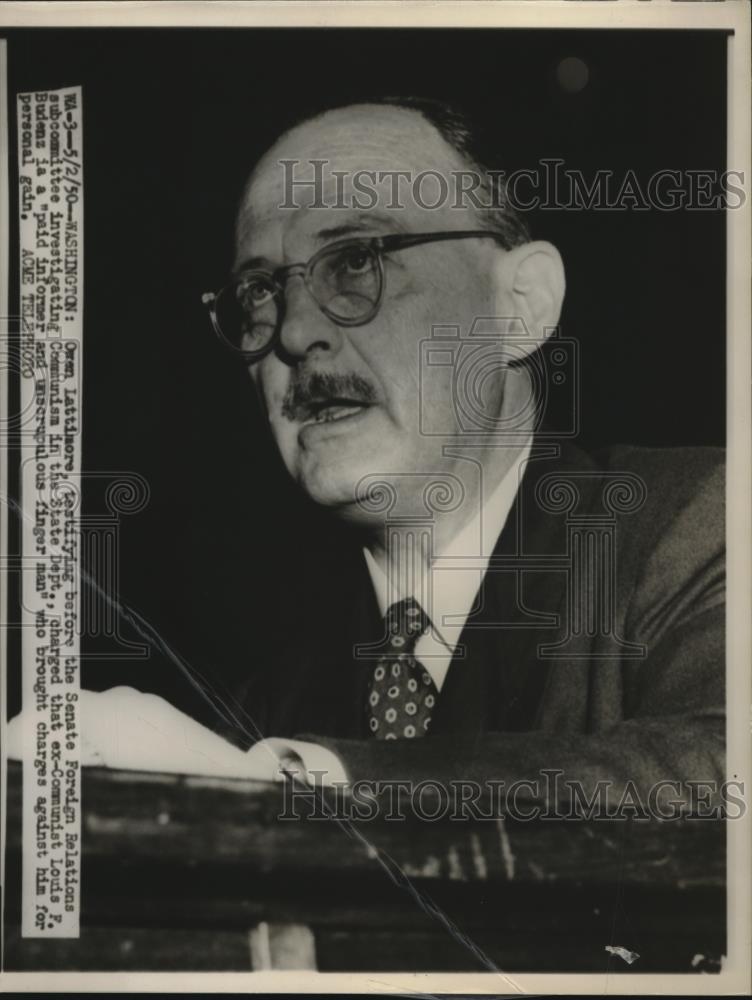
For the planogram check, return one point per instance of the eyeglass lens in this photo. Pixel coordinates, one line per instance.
(344, 281)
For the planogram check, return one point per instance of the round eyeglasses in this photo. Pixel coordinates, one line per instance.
(345, 279)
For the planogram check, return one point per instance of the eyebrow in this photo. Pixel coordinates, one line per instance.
(363, 223)
(358, 224)
(251, 264)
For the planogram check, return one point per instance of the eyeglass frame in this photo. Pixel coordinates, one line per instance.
(376, 244)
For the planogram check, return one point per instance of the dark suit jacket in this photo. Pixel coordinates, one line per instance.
(631, 690)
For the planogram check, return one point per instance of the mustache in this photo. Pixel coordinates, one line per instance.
(309, 389)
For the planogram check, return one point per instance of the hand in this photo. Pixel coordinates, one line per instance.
(127, 729)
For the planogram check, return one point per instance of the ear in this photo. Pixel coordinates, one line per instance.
(534, 282)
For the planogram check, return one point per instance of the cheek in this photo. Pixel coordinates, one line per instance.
(395, 353)
(271, 380)
(422, 322)
(395, 358)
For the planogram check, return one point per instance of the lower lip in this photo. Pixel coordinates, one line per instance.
(327, 428)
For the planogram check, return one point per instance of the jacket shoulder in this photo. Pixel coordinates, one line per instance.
(683, 469)
(673, 547)
(686, 484)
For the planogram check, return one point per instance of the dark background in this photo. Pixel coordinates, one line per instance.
(224, 554)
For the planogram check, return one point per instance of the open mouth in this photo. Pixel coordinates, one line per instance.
(325, 411)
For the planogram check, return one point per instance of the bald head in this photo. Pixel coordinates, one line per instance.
(387, 155)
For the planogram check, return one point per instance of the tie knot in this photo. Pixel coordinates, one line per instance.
(406, 621)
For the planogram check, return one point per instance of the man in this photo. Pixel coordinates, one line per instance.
(511, 605)
(503, 604)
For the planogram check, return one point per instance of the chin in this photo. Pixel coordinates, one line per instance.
(329, 487)
(337, 486)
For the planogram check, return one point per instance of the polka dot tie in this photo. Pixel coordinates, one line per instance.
(401, 694)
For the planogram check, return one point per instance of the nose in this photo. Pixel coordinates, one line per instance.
(305, 329)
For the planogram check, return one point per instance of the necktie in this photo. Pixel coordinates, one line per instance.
(401, 694)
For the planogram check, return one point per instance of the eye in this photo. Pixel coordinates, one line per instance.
(355, 260)
(358, 260)
(255, 292)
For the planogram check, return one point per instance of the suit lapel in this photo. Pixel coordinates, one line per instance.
(499, 681)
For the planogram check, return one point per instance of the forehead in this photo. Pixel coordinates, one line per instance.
(397, 144)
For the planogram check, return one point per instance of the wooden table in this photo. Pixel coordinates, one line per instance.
(189, 874)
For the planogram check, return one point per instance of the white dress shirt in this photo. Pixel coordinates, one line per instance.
(449, 586)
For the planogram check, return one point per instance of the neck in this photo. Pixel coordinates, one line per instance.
(405, 544)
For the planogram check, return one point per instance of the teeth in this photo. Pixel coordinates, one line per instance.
(330, 413)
